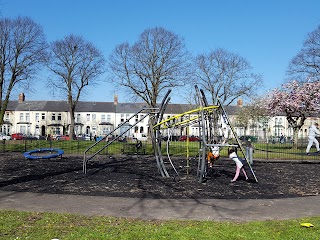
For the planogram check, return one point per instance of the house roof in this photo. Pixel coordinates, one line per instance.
(95, 107)
(62, 106)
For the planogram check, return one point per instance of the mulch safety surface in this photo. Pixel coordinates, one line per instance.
(137, 176)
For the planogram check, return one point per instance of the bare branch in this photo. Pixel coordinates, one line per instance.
(22, 51)
(156, 62)
(76, 64)
(305, 66)
(226, 76)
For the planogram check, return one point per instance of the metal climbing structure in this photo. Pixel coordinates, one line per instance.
(148, 112)
(207, 118)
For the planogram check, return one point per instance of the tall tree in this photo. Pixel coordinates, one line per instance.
(226, 76)
(297, 101)
(305, 66)
(22, 49)
(156, 62)
(76, 64)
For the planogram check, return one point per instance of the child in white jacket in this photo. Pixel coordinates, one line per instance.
(233, 155)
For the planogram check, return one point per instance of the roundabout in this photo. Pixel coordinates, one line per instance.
(43, 153)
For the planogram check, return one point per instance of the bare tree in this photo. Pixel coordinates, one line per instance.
(22, 49)
(305, 66)
(226, 76)
(76, 64)
(156, 62)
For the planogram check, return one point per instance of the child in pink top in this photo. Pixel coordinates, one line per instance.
(233, 155)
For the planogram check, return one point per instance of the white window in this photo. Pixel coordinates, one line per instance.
(56, 131)
(7, 116)
(88, 117)
(108, 118)
(23, 129)
(103, 118)
(106, 130)
(37, 117)
(27, 117)
(21, 117)
(78, 118)
(94, 117)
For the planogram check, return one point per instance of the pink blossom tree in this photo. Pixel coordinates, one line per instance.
(297, 101)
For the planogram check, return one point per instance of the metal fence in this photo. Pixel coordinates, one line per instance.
(262, 149)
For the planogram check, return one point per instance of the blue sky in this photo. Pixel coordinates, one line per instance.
(268, 33)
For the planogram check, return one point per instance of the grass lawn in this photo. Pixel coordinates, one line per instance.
(30, 225)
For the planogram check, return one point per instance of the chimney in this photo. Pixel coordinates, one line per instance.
(240, 103)
(21, 98)
(115, 100)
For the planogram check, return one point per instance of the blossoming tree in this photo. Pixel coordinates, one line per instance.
(297, 101)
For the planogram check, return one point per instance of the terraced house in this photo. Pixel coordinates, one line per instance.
(40, 118)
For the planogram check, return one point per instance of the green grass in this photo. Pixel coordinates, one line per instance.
(31, 225)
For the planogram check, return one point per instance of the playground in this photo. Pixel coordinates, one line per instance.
(160, 175)
(137, 176)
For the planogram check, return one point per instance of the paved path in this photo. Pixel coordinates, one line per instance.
(164, 209)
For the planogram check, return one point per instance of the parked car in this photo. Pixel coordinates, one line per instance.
(17, 136)
(63, 137)
(4, 137)
(30, 137)
(83, 137)
(191, 138)
(142, 137)
(245, 138)
(40, 137)
(172, 138)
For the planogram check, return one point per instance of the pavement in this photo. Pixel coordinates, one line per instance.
(237, 210)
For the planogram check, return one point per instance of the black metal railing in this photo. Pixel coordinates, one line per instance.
(262, 149)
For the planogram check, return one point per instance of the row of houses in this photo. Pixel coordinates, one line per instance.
(40, 118)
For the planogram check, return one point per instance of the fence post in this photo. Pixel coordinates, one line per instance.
(267, 150)
(4, 146)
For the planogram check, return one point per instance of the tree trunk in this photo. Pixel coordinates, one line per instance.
(295, 138)
(72, 123)
(296, 123)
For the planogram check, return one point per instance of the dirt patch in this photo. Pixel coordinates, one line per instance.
(137, 176)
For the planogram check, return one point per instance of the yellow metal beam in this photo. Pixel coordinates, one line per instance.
(186, 113)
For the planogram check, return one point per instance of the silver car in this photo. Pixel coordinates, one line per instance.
(4, 137)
